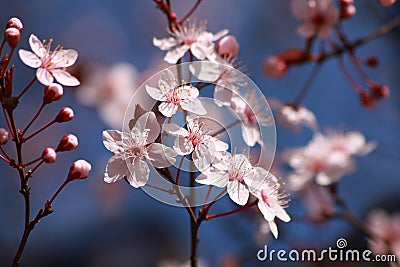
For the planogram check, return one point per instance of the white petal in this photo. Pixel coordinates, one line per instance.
(189, 92)
(297, 180)
(202, 156)
(176, 53)
(205, 71)
(238, 192)
(207, 177)
(29, 58)
(148, 121)
(202, 49)
(155, 93)
(217, 145)
(281, 213)
(116, 169)
(165, 43)
(65, 78)
(193, 105)
(44, 77)
(160, 156)
(112, 140)
(266, 211)
(64, 58)
(251, 134)
(167, 109)
(222, 96)
(220, 34)
(37, 46)
(183, 146)
(139, 173)
(274, 228)
(175, 129)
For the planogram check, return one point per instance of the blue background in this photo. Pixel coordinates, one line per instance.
(114, 225)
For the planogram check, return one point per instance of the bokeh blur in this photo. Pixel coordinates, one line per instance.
(97, 224)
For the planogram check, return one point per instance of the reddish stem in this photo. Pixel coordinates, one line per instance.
(232, 211)
(34, 118)
(191, 11)
(27, 88)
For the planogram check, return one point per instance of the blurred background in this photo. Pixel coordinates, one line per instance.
(98, 224)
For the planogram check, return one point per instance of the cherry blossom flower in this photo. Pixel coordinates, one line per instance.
(109, 89)
(236, 173)
(271, 202)
(387, 2)
(188, 37)
(293, 117)
(253, 112)
(223, 73)
(50, 64)
(174, 95)
(385, 231)
(196, 140)
(133, 149)
(318, 17)
(326, 158)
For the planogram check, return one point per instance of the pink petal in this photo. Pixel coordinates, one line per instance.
(194, 105)
(176, 53)
(29, 58)
(148, 121)
(65, 78)
(307, 30)
(160, 156)
(139, 173)
(116, 169)
(238, 192)
(64, 58)
(37, 46)
(167, 109)
(301, 9)
(112, 140)
(183, 146)
(44, 76)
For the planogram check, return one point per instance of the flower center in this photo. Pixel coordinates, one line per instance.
(264, 196)
(319, 20)
(174, 96)
(318, 166)
(189, 40)
(195, 137)
(137, 151)
(236, 175)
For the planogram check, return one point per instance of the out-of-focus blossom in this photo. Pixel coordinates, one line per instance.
(195, 140)
(271, 201)
(109, 90)
(326, 158)
(133, 149)
(49, 63)
(274, 67)
(385, 231)
(318, 203)
(293, 117)
(188, 37)
(228, 47)
(387, 2)
(174, 95)
(253, 113)
(318, 17)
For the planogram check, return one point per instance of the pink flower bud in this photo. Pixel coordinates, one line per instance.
(49, 155)
(372, 62)
(346, 2)
(387, 2)
(15, 23)
(79, 170)
(348, 11)
(68, 142)
(65, 114)
(228, 46)
(3, 136)
(12, 36)
(52, 92)
(274, 67)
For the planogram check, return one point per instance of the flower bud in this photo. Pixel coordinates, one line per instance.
(12, 36)
(79, 170)
(387, 2)
(68, 142)
(49, 155)
(65, 114)
(15, 23)
(172, 16)
(274, 67)
(372, 62)
(3, 136)
(368, 100)
(52, 92)
(228, 46)
(348, 11)
(381, 91)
